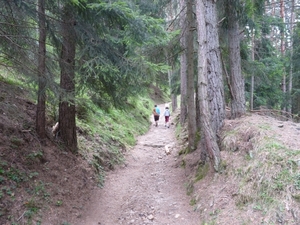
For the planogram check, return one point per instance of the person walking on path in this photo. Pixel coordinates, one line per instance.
(167, 115)
(156, 114)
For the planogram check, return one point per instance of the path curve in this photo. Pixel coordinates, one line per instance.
(149, 189)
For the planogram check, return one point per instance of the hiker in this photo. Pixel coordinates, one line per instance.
(167, 115)
(156, 113)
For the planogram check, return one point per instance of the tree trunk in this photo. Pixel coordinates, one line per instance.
(282, 49)
(174, 102)
(238, 103)
(216, 98)
(41, 102)
(183, 65)
(290, 87)
(198, 119)
(171, 60)
(190, 75)
(67, 122)
(206, 26)
(253, 59)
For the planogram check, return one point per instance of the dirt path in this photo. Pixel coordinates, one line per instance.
(150, 189)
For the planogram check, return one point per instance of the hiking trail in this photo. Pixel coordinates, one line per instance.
(148, 189)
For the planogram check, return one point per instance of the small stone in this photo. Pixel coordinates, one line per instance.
(177, 216)
(150, 217)
(280, 125)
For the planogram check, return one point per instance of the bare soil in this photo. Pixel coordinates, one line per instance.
(148, 189)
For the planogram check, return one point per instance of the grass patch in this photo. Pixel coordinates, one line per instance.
(265, 179)
(106, 134)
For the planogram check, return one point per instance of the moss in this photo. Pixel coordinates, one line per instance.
(202, 171)
(183, 163)
(297, 198)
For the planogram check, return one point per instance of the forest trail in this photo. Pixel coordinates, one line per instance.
(149, 189)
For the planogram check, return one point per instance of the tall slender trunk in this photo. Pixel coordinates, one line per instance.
(41, 103)
(67, 122)
(183, 64)
(190, 75)
(252, 58)
(171, 62)
(238, 102)
(282, 49)
(290, 87)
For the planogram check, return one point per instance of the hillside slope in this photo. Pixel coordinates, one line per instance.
(259, 182)
(46, 183)
(36, 181)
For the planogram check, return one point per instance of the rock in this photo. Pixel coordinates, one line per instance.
(167, 150)
(280, 125)
(150, 217)
(177, 216)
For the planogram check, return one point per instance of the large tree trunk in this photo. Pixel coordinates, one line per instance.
(238, 103)
(190, 75)
(67, 123)
(183, 65)
(209, 75)
(41, 103)
(216, 98)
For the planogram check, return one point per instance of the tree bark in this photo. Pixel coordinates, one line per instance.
(282, 49)
(183, 65)
(253, 59)
(209, 67)
(67, 122)
(216, 98)
(290, 87)
(41, 101)
(190, 75)
(238, 102)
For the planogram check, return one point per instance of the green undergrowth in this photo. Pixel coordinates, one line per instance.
(104, 135)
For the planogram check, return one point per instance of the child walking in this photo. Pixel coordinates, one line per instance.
(167, 115)
(156, 114)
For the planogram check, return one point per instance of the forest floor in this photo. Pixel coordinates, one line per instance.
(148, 189)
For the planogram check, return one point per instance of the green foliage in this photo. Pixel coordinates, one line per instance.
(112, 56)
(35, 155)
(112, 132)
